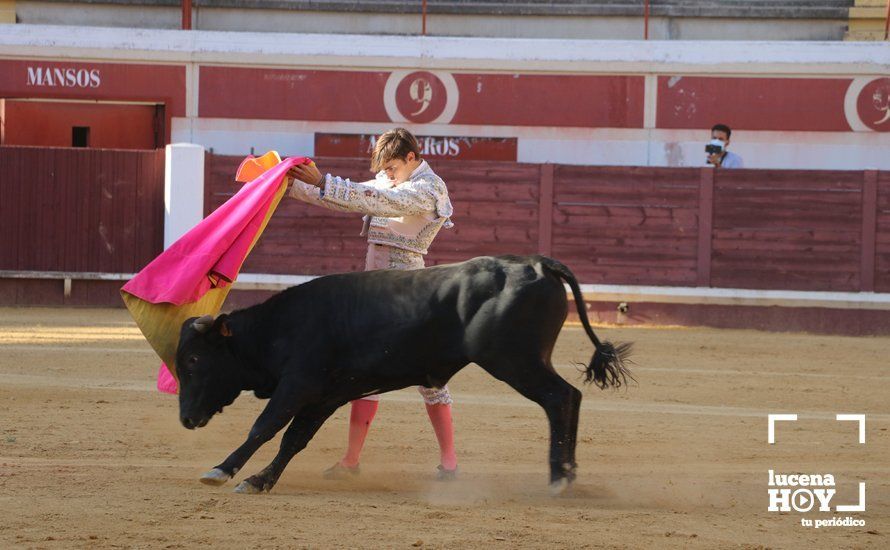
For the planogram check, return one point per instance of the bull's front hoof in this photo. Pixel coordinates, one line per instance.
(559, 486)
(247, 488)
(215, 477)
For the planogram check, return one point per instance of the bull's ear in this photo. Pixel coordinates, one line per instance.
(221, 325)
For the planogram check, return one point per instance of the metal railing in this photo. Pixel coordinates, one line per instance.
(647, 11)
(887, 22)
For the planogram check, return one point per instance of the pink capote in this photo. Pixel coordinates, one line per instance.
(212, 252)
(166, 382)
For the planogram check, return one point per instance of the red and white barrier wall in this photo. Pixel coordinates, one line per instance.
(507, 106)
(803, 105)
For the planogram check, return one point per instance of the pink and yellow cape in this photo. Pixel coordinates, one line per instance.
(194, 275)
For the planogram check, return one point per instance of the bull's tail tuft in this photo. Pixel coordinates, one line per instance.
(608, 366)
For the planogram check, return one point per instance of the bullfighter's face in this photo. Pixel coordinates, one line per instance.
(209, 375)
(399, 171)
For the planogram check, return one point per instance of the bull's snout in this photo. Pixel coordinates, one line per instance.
(192, 424)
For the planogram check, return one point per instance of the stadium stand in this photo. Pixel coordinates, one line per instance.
(670, 19)
(867, 20)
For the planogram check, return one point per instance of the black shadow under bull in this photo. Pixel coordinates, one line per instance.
(314, 347)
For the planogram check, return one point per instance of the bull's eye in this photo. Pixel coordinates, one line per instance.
(193, 360)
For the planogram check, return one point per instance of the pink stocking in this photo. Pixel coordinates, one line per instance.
(440, 418)
(363, 411)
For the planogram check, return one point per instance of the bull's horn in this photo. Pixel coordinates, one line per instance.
(203, 324)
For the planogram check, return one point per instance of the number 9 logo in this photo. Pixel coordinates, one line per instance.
(420, 96)
(867, 104)
(881, 102)
(422, 93)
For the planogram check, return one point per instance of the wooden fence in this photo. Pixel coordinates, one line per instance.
(763, 229)
(80, 210)
(84, 210)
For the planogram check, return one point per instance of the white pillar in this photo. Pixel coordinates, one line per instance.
(183, 190)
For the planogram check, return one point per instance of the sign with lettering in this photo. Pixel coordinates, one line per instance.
(93, 81)
(431, 147)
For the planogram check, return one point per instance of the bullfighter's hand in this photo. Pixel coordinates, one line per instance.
(307, 173)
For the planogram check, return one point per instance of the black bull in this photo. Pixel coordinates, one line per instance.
(314, 347)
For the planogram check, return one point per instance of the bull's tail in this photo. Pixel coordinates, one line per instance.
(607, 367)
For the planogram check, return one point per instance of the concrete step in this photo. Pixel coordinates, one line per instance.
(866, 25)
(865, 36)
(871, 3)
(868, 13)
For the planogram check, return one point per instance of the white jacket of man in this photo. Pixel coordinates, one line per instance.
(406, 216)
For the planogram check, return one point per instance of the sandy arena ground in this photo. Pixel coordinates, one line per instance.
(91, 456)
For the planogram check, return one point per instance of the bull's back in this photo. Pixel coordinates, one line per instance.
(454, 312)
(510, 303)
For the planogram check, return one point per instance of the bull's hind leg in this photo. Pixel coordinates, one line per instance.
(537, 381)
(301, 430)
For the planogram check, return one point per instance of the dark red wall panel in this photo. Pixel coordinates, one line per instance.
(803, 104)
(111, 126)
(82, 210)
(798, 230)
(619, 225)
(280, 94)
(550, 100)
(495, 210)
(590, 101)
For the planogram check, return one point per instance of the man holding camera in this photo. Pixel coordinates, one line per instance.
(716, 149)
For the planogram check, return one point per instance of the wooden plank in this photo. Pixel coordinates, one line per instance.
(211, 180)
(545, 211)
(92, 178)
(869, 221)
(836, 181)
(882, 238)
(153, 219)
(705, 227)
(11, 186)
(630, 193)
(126, 172)
(482, 191)
(785, 248)
(27, 255)
(78, 240)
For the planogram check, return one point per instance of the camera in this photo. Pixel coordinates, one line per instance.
(715, 147)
